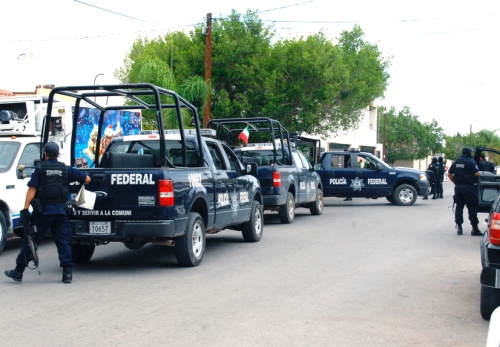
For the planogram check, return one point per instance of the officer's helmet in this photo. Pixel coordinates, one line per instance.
(467, 151)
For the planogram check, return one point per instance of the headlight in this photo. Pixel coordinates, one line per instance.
(423, 177)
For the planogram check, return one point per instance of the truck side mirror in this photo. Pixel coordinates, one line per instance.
(251, 169)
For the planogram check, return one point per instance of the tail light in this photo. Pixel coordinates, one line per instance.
(494, 232)
(166, 193)
(276, 179)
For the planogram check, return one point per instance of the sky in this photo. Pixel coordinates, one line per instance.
(444, 54)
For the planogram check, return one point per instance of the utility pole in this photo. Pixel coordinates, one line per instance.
(383, 149)
(208, 67)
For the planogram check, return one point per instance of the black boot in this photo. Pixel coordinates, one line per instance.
(434, 197)
(67, 276)
(459, 230)
(475, 231)
(14, 274)
(425, 198)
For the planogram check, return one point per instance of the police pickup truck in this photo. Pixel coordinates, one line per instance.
(158, 187)
(357, 174)
(286, 181)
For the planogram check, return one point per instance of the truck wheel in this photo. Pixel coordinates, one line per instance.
(316, 207)
(390, 198)
(190, 247)
(82, 253)
(405, 195)
(287, 211)
(252, 230)
(490, 300)
(3, 231)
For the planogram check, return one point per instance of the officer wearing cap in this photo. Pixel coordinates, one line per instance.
(48, 194)
(463, 173)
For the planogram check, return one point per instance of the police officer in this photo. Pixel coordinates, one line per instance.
(464, 172)
(439, 182)
(485, 165)
(433, 167)
(48, 191)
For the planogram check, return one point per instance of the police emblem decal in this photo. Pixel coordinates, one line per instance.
(357, 184)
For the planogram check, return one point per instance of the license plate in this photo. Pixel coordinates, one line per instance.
(100, 227)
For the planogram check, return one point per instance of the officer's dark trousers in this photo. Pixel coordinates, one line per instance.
(439, 187)
(466, 195)
(61, 231)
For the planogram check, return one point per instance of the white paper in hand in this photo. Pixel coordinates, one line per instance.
(85, 199)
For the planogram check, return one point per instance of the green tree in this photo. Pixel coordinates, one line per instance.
(406, 138)
(152, 69)
(309, 84)
(483, 138)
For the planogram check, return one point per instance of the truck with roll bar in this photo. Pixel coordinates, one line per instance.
(165, 187)
(287, 178)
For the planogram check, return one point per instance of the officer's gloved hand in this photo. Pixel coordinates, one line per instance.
(25, 218)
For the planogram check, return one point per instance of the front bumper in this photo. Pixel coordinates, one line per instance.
(423, 188)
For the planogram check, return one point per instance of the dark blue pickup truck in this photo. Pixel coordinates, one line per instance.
(163, 187)
(287, 181)
(362, 175)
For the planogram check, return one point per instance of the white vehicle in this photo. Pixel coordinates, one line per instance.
(19, 148)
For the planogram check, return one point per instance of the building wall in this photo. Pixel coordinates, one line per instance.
(363, 137)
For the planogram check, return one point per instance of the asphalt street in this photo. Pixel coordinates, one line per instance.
(365, 273)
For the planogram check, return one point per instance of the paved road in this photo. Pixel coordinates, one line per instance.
(365, 273)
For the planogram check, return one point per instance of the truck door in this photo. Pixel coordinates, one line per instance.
(372, 182)
(338, 174)
(240, 200)
(225, 188)
(308, 178)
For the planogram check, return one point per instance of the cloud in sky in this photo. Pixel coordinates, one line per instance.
(443, 52)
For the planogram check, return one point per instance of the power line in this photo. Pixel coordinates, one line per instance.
(114, 12)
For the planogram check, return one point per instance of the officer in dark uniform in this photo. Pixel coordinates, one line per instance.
(439, 182)
(48, 190)
(464, 172)
(433, 178)
(485, 165)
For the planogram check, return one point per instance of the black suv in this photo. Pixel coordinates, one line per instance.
(489, 200)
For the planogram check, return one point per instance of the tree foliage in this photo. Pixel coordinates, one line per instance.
(310, 85)
(483, 138)
(406, 138)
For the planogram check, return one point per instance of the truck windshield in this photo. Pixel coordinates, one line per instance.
(8, 151)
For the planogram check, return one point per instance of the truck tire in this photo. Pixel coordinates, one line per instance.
(190, 247)
(3, 231)
(287, 211)
(405, 195)
(316, 207)
(252, 230)
(82, 253)
(490, 300)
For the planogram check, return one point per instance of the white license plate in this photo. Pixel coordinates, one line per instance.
(100, 227)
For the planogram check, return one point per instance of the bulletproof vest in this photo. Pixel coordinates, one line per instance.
(463, 171)
(53, 183)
